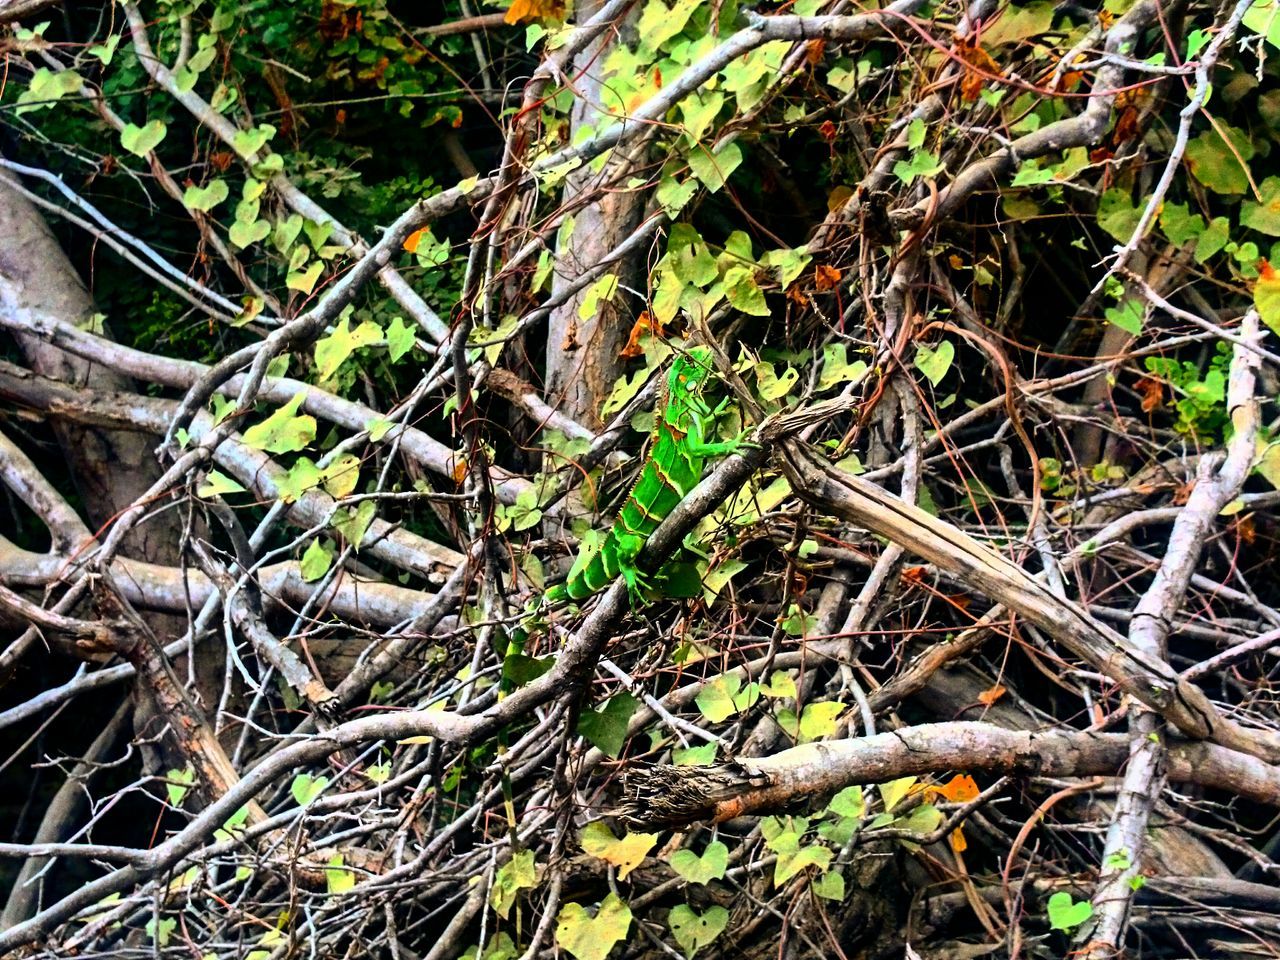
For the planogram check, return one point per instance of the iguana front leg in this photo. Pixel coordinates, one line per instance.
(629, 547)
(695, 444)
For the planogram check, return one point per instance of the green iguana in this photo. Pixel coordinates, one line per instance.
(677, 452)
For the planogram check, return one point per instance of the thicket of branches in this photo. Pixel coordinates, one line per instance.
(334, 332)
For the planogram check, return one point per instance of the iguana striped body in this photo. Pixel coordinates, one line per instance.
(677, 453)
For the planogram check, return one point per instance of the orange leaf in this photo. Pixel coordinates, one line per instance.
(988, 697)
(525, 11)
(459, 472)
(412, 240)
(827, 131)
(813, 52)
(642, 327)
(958, 843)
(1248, 532)
(1152, 391)
(914, 574)
(984, 68)
(825, 277)
(960, 789)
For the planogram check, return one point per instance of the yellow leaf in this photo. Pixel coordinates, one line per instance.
(625, 854)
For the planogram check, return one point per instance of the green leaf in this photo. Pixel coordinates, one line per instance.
(337, 879)
(46, 88)
(701, 869)
(923, 820)
(216, 484)
(1179, 224)
(286, 233)
(245, 235)
(893, 792)
(1117, 215)
(769, 385)
(780, 685)
(305, 788)
(304, 281)
(790, 262)
(207, 197)
(304, 475)
(836, 367)
(602, 291)
(1266, 297)
(342, 475)
(625, 853)
(1215, 237)
(688, 256)
(693, 931)
(713, 169)
(332, 351)
(921, 164)
(1127, 316)
(142, 140)
(249, 142)
(1219, 165)
(1265, 216)
(829, 886)
(400, 337)
(723, 696)
(672, 194)
(742, 291)
(106, 51)
(1263, 18)
(915, 134)
(607, 727)
(1067, 914)
(699, 756)
(935, 363)
(849, 802)
(819, 720)
(518, 873)
(160, 933)
(699, 112)
(792, 857)
(623, 390)
(591, 938)
(524, 513)
(179, 784)
(284, 431)
(1029, 175)
(353, 524)
(315, 561)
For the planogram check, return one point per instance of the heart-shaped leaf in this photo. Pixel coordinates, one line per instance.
(247, 234)
(588, 937)
(607, 727)
(701, 869)
(248, 142)
(694, 931)
(518, 873)
(934, 364)
(142, 140)
(314, 564)
(304, 281)
(306, 788)
(284, 431)
(207, 197)
(626, 853)
(1067, 914)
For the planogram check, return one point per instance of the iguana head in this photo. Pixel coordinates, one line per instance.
(688, 373)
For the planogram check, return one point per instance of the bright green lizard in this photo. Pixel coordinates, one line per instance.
(677, 453)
